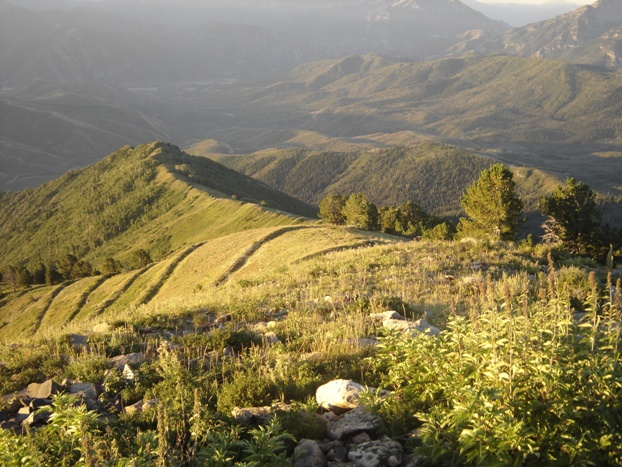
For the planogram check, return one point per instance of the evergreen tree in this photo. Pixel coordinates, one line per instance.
(52, 276)
(360, 213)
(111, 267)
(81, 269)
(141, 258)
(389, 219)
(573, 219)
(24, 277)
(492, 206)
(412, 218)
(66, 264)
(39, 274)
(331, 209)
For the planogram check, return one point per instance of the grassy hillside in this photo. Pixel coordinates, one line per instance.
(508, 326)
(152, 197)
(245, 258)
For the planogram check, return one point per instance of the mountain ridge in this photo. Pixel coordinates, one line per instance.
(154, 192)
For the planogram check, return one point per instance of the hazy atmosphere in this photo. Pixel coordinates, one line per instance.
(310, 233)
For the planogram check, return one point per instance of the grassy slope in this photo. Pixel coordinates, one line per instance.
(177, 278)
(152, 197)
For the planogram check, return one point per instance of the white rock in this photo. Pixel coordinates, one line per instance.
(339, 394)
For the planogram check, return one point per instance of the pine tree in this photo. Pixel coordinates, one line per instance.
(492, 206)
(331, 209)
(360, 213)
(573, 219)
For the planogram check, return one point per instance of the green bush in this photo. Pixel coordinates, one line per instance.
(511, 385)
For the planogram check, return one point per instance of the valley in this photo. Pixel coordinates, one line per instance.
(364, 233)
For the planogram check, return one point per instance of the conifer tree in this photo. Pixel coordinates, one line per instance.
(331, 209)
(360, 213)
(573, 219)
(492, 206)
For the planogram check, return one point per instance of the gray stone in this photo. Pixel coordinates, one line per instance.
(37, 418)
(309, 454)
(84, 390)
(257, 414)
(386, 315)
(383, 452)
(79, 341)
(134, 359)
(44, 390)
(352, 422)
(270, 338)
(359, 439)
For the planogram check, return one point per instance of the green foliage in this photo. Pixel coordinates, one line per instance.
(331, 209)
(511, 384)
(360, 213)
(141, 258)
(573, 219)
(492, 206)
(99, 212)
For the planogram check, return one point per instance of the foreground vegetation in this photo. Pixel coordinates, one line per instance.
(526, 371)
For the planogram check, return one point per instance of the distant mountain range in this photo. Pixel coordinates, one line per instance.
(77, 83)
(590, 35)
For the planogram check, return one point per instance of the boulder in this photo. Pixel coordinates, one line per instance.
(257, 414)
(44, 390)
(78, 341)
(84, 390)
(423, 326)
(134, 359)
(383, 452)
(355, 421)
(309, 454)
(37, 418)
(385, 315)
(418, 327)
(270, 338)
(339, 394)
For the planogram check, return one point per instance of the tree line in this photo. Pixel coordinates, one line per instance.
(67, 268)
(493, 211)
(408, 219)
